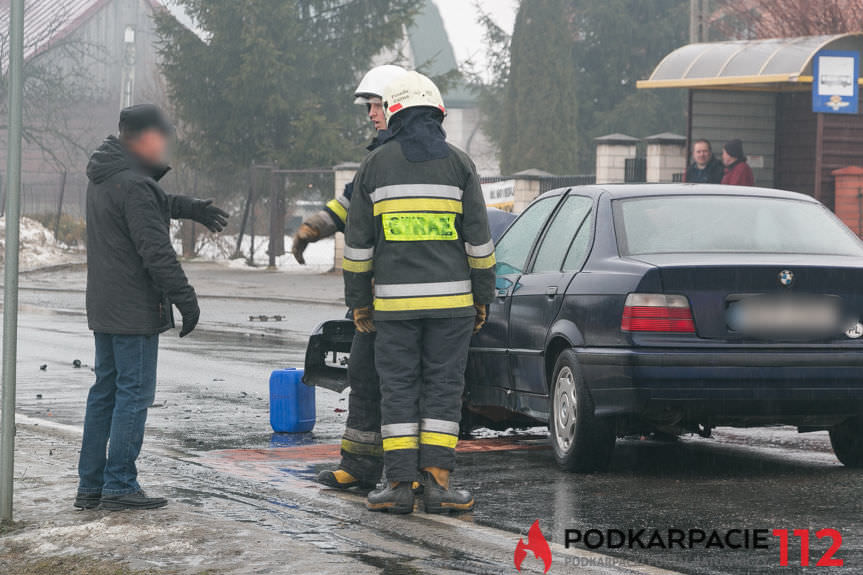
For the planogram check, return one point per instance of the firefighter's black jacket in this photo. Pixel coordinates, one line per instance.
(417, 242)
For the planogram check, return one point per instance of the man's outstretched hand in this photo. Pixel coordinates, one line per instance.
(213, 217)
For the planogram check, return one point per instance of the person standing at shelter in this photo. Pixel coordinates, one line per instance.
(705, 167)
(737, 171)
(362, 456)
(419, 268)
(133, 280)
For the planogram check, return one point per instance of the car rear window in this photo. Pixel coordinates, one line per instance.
(736, 224)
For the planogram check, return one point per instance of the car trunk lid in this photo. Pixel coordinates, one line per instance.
(714, 282)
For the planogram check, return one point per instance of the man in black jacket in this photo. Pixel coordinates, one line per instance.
(133, 279)
(705, 168)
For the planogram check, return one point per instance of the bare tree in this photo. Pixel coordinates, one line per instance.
(57, 71)
(745, 19)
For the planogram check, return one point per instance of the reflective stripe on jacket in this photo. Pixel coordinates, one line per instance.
(418, 232)
(337, 208)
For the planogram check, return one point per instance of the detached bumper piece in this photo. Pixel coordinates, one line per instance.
(327, 355)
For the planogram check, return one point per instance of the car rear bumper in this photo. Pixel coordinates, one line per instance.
(724, 382)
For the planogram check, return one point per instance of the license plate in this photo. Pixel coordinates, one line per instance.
(797, 316)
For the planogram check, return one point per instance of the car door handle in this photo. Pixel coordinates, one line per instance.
(501, 293)
(551, 291)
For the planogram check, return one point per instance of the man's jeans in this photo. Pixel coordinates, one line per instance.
(117, 409)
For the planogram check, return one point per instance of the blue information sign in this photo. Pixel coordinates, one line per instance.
(835, 86)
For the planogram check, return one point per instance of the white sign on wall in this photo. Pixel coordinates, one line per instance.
(499, 194)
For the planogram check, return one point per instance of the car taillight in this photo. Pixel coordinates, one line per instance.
(657, 313)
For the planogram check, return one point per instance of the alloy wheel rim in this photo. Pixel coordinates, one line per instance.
(565, 409)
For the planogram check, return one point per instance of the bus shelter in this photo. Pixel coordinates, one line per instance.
(761, 91)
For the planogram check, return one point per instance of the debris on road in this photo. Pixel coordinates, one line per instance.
(264, 318)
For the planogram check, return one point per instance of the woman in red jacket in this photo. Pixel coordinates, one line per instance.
(737, 171)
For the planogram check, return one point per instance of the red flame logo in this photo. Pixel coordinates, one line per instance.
(537, 543)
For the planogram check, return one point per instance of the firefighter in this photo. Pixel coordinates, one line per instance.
(419, 268)
(332, 218)
(362, 463)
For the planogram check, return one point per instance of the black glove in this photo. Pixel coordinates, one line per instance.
(190, 320)
(204, 212)
(190, 311)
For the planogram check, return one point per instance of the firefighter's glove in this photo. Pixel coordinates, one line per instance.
(481, 316)
(363, 320)
(304, 236)
(204, 212)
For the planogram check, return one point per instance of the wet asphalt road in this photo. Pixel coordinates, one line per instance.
(213, 396)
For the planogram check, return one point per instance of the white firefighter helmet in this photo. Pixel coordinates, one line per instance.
(411, 90)
(373, 83)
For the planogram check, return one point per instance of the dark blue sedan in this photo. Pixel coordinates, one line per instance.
(672, 309)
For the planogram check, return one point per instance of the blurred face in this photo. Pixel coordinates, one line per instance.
(376, 114)
(727, 159)
(701, 152)
(150, 146)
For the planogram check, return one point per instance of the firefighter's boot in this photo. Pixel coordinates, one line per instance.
(439, 497)
(338, 479)
(396, 497)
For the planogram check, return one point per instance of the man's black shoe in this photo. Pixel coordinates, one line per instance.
(138, 500)
(87, 500)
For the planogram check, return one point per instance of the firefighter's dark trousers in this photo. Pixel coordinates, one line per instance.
(362, 455)
(421, 363)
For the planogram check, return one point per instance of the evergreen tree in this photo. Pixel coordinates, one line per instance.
(619, 43)
(539, 109)
(579, 59)
(272, 80)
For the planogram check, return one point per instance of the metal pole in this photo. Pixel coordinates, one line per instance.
(274, 219)
(251, 183)
(252, 220)
(10, 287)
(188, 234)
(860, 212)
(698, 13)
(60, 206)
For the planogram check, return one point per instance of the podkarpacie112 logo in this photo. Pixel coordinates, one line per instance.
(537, 543)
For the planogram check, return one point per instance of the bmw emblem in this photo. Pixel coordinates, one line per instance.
(786, 277)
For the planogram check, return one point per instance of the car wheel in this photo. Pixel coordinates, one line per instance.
(847, 441)
(582, 442)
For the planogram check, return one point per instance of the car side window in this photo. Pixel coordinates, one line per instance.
(559, 236)
(580, 248)
(513, 248)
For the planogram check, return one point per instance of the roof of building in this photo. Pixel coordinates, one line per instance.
(775, 63)
(46, 22)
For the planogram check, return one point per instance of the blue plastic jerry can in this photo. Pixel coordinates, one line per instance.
(292, 403)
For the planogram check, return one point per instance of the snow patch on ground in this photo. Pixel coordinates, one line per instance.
(38, 247)
(320, 256)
